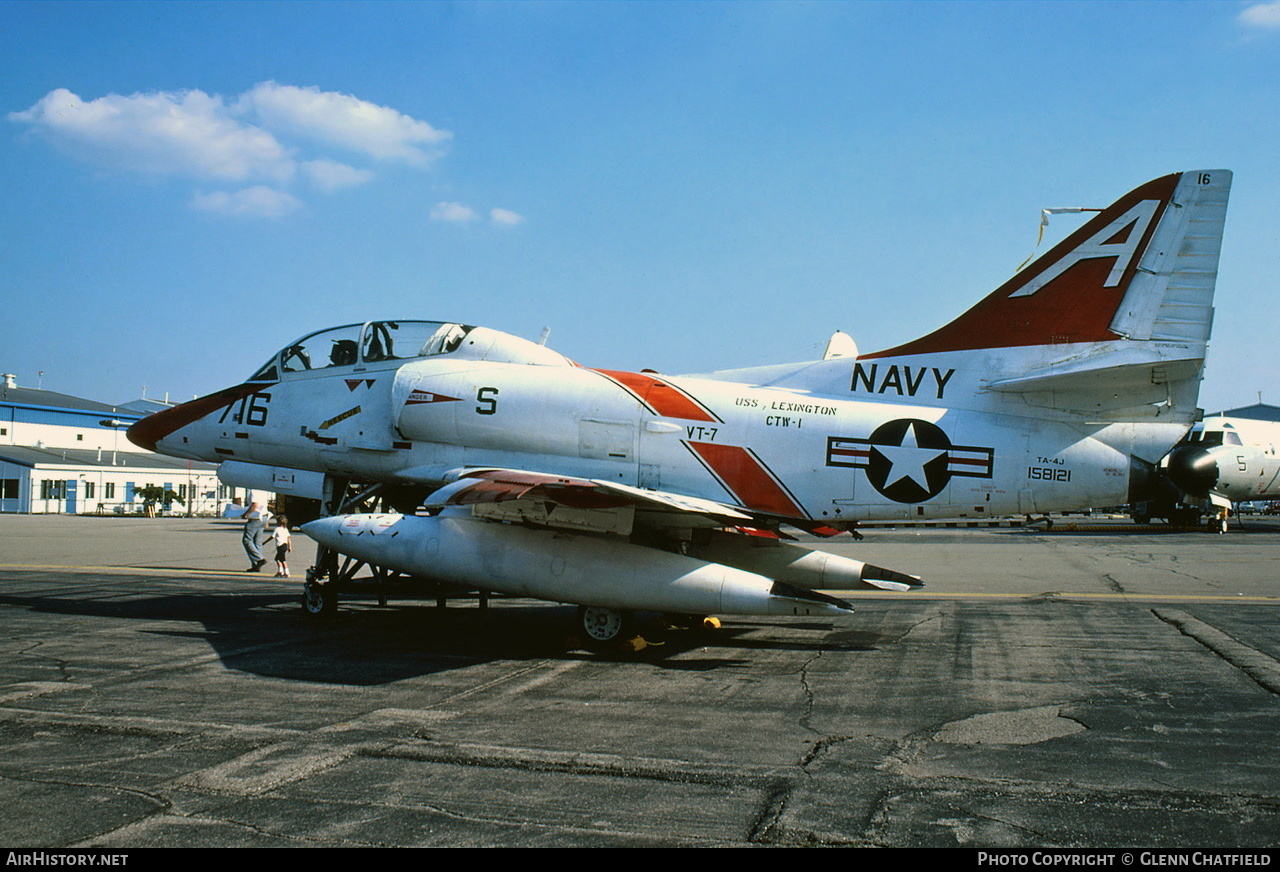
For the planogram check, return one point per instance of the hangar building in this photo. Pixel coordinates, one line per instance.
(67, 455)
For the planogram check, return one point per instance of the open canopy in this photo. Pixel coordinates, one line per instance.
(370, 342)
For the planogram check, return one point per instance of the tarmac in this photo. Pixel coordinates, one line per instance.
(1106, 686)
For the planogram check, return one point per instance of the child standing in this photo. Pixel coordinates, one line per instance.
(280, 535)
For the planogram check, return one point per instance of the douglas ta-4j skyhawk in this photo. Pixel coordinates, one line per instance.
(510, 468)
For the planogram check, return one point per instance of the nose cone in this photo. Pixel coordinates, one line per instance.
(148, 432)
(326, 531)
(1192, 468)
(151, 429)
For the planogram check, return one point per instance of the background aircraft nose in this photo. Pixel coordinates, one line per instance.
(1192, 468)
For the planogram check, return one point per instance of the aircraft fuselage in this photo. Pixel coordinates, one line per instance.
(786, 453)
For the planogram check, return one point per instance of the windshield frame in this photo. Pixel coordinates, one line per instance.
(359, 345)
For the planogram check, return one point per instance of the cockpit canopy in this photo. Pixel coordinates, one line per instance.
(1211, 437)
(371, 342)
(355, 345)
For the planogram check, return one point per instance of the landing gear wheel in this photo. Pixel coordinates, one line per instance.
(1219, 525)
(603, 626)
(319, 600)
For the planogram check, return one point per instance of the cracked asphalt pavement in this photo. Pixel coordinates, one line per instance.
(1098, 687)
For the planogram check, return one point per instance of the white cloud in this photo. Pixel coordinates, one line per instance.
(505, 217)
(458, 213)
(258, 201)
(342, 120)
(1261, 15)
(329, 175)
(452, 212)
(187, 133)
(268, 142)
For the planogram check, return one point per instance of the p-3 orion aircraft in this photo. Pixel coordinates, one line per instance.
(1226, 459)
(512, 469)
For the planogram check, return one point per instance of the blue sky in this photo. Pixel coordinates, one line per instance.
(680, 186)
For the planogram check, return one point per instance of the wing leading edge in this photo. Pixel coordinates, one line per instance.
(557, 500)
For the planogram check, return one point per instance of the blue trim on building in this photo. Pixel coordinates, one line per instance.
(63, 417)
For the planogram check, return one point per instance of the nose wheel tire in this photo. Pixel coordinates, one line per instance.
(319, 600)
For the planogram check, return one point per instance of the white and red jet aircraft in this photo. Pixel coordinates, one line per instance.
(622, 491)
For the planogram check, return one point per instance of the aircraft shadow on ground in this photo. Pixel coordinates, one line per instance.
(363, 644)
(1073, 529)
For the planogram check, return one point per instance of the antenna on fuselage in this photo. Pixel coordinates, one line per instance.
(840, 345)
(546, 334)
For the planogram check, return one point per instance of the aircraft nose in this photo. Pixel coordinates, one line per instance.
(151, 429)
(148, 432)
(1192, 468)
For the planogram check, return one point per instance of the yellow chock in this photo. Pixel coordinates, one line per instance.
(710, 623)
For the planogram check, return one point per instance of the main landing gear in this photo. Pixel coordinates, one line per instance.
(604, 626)
(1218, 523)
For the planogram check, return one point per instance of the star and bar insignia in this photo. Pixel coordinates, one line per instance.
(910, 460)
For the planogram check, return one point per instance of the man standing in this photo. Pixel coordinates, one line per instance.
(252, 532)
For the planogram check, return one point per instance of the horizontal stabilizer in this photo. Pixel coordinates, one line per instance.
(1118, 379)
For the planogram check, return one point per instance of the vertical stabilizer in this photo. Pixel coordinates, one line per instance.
(1144, 268)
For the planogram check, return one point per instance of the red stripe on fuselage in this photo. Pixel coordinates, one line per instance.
(661, 397)
(742, 473)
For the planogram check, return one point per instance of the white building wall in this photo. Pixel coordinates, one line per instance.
(100, 485)
(110, 491)
(62, 436)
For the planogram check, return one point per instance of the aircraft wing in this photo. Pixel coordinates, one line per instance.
(577, 503)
